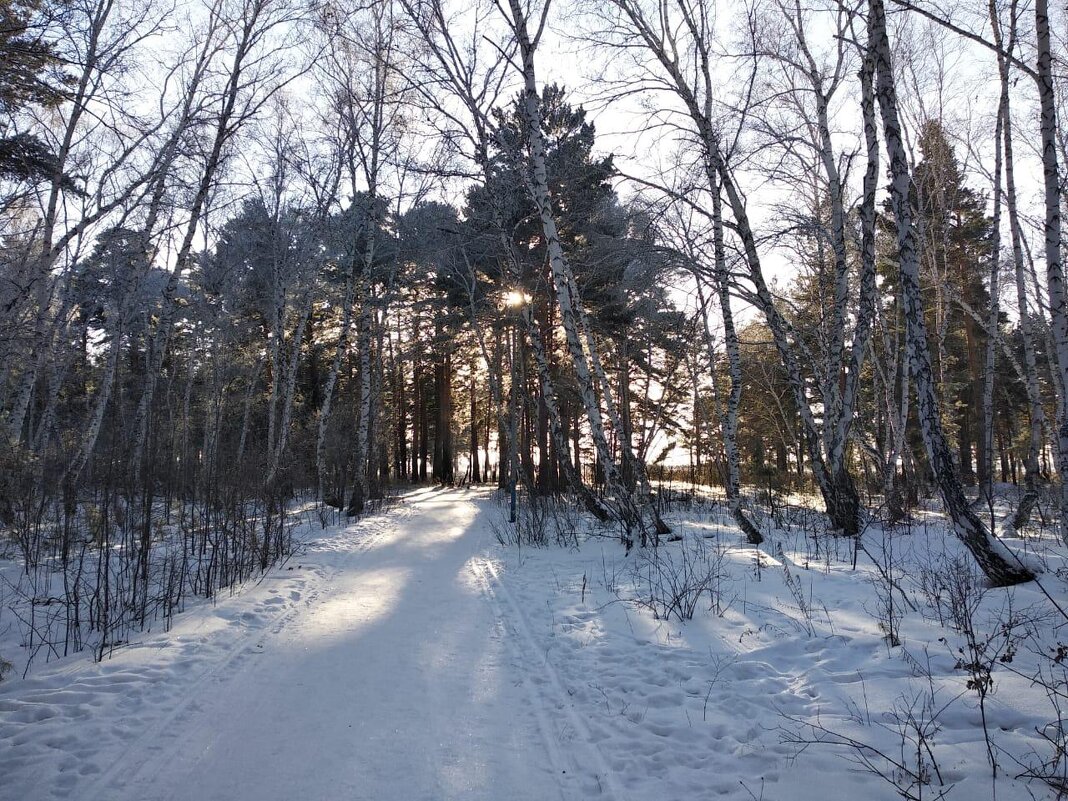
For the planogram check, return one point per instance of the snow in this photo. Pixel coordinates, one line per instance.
(411, 656)
(715, 706)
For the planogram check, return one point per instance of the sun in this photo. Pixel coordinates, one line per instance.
(516, 298)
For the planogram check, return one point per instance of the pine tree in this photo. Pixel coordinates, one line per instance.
(955, 235)
(31, 76)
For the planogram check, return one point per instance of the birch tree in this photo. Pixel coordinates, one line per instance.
(97, 42)
(999, 564)
(250, 77)
(679, 42)
(1051, 176)
(1037, 416)
(584, 352)
(362, 72)
(474, 85)
(812, 87)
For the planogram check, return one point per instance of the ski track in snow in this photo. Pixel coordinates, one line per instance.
(409, 657)
(705, 709)
(542, 678)
(378, 670)
(135, 759)
(74, 725)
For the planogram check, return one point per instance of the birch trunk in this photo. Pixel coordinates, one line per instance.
(999, 564)
(103, 394)
(363, 423)
(895, 380)
(620, 425)
(841, 375)
(83, 95)
(45, 328)
(552, 406)
(562, 275)
(1030, 365)
(734, 363)
(729, 420)
(274, 364)
(541, 361)
(459, 76)
(291, 369)
(838, 490)
(1058, 302)
(986, 440)
(473, 468)
(868, 286)
(246, 415)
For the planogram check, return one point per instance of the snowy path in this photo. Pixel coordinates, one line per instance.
(409, 657)
(392, 674)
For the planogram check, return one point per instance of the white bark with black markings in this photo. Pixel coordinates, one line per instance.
(1000, 565)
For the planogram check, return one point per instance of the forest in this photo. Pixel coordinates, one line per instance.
(271, 261)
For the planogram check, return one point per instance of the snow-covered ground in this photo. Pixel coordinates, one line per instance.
(410, 656)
